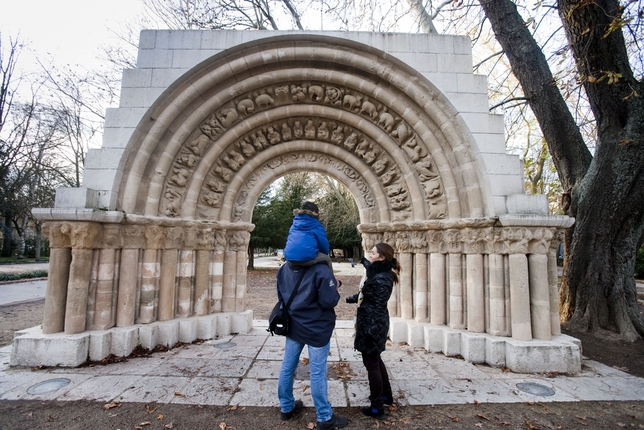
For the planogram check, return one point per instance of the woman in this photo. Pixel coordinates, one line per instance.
(372, 323)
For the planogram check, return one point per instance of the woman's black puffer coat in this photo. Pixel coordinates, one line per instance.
(372, 318)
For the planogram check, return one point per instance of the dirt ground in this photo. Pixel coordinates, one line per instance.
(604, 348)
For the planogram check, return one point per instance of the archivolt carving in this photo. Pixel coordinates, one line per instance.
(235, 155)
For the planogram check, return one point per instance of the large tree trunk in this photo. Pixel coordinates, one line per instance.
(604, 193)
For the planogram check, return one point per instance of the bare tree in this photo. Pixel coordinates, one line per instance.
(603, 191)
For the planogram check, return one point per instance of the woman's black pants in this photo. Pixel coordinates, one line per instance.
(378, 379)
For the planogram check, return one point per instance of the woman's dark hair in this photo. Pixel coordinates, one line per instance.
(387, 252)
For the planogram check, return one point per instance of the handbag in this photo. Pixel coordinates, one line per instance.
(279, 323)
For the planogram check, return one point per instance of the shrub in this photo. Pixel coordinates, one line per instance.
(639, 264)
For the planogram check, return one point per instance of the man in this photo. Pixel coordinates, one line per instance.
(312, 324)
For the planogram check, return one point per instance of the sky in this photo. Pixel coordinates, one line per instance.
(71, 30)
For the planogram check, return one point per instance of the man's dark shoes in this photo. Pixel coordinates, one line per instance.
(296, 409)
(336, 422)
(374, 412)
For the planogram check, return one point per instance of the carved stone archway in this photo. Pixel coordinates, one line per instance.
(167, 260)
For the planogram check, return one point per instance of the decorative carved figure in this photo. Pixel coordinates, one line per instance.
(246, 107)
(227, 116)
(425, 170)
(333, 96)
(298, 93)
(337, 135)
(180, 177)
(211, 199)
(400, 131)
(369, 109)
(351, 102)
(247, 149)
(264, 100)
(309, 130)
(286, 131)
(351, 141)
(298, 130)
(198, 144)
(323, 131)
(223, 172)
(316, 92)
(273, 136)
(386, 120)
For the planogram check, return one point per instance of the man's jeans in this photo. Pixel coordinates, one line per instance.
(317, 366)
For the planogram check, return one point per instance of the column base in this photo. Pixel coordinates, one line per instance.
(561, 354)
(33, 348)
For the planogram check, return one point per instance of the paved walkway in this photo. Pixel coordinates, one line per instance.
(243, 370)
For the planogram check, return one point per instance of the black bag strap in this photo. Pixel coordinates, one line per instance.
(299, 281)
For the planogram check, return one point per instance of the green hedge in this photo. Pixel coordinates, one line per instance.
(23, 275)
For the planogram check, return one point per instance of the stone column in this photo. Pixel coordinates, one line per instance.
(475, 293)
(421, 304)
(240, 291)
(228, 287)
(497, 296)
(77, 290)
(128, 277)
(456, 311)
(56, 293)
(150, 272)
(553, 281)
(202, 282)
(520, 297)
(406, 294)
(104, 312)
(539, 296)
(167, 284)
(217, 282)
(438, 288)
(186, 276)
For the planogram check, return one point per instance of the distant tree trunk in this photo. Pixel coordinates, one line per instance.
(251, 257)
(22, 231)
(38, 240)
(7, 234)
(604, 193)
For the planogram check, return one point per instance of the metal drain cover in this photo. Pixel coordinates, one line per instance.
(48, 386)
(225, 345)
(536, 389)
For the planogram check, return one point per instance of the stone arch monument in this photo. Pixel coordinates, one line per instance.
(153, 249)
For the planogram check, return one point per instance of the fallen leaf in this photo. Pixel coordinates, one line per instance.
(504, 423)
(111, 405)
(530, 426)
(222, 426)
(476, 403)
(580, 417)
(160, 417)
(233, 408)
(169, 425)
(145, 423)
(178, 394)
(455, 419)
(621, 425)
(305, 361)
(311, 425)
(478, 425)
(50, 418)
(147, 408)
(483, 416)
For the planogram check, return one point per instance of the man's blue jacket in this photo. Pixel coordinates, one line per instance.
(312, 310)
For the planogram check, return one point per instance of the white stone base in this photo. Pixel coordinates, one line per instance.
(33, 348)
(561, 354)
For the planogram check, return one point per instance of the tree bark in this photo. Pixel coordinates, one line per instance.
(604, 192)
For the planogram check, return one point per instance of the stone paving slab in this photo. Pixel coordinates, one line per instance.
(243, 370)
